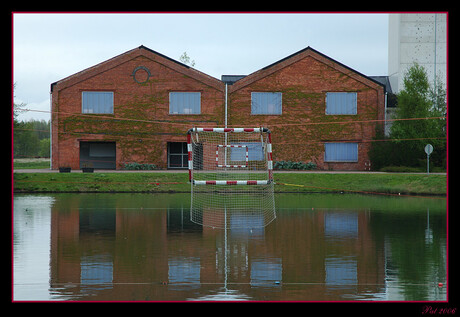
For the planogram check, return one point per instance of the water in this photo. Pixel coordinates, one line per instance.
(142, 247)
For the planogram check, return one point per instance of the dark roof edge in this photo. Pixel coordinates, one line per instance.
(325, 56)
(164, 56)
(266, 67)
(353, 70)
(139, 47)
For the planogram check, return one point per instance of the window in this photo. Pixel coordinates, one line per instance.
(96, 270)
(184, 273)
(341, 271)
(266, 103)
(184, 103)
(341, 225)
(97, 102)
(341, 103)
(177, 155)
(341, 152)
(255, 152)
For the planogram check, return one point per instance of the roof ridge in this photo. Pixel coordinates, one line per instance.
(187, 70)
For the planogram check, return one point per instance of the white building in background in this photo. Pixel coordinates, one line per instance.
(420, 38)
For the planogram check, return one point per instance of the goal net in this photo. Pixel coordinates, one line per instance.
(231, 175)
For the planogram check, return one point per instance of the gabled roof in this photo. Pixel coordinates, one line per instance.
(297, 56)
(131, 54)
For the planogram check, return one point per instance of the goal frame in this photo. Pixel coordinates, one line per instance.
(230, 130)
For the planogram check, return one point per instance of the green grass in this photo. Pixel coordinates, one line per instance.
(413, 184)
(420, 184)
(101, 182)
(31, 165)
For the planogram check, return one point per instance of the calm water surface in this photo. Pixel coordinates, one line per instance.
(143, 247)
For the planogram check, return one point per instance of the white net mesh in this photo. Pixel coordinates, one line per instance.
(231, 178)
(230, 155)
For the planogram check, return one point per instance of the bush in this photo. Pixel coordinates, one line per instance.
(137, 166)
(289, 165)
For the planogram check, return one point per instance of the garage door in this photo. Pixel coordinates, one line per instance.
(100, 155)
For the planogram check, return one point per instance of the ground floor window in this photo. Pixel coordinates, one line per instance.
(99, 155)
(341, 152)
(177, 155)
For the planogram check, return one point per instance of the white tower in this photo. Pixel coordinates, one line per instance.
(420, 38)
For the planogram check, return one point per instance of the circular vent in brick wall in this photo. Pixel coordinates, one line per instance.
(141, 74)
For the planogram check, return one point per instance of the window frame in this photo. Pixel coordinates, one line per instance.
(339, 160)
(86, 111)
(355, 105)
(183, 155)
(267, 92)
(184, 92)
(255, 151)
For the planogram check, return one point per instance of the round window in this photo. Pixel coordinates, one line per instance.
(141, 74)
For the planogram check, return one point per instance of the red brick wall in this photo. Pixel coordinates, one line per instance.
(299, 133)
(138, 139)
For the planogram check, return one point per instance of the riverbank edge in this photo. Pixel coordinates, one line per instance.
(285, 182)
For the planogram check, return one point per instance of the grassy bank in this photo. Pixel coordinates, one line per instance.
(394, 183)
(414, 184)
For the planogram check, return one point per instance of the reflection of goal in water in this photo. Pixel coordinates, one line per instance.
(231, 174)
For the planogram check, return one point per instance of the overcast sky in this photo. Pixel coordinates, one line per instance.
(49, 47)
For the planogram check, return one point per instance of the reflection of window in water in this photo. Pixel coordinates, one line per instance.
(96, 270)
(341, 225)
(266, 272)
(184, 273)
(97, 221)
(341, 271)
(246, 224)
(178, 220)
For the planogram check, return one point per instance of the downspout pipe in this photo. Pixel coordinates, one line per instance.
(226, 104)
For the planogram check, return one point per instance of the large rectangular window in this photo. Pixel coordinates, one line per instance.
(266, 103)
(341, 152)
(341, 103)
(184, 103)
(97, 102)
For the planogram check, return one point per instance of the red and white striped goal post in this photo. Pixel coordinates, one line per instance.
(231, 130)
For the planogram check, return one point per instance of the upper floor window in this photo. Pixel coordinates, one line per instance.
(341, 103)
(97, 102)
(184, 103)
(266, 103)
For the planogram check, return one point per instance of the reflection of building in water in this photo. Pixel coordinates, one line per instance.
(233, 206)
(118, 253)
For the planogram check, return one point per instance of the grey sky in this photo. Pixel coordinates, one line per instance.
(49, 47)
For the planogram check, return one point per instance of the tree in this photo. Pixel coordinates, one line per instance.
(31, 138)
(17, 108)
(416, 100)
(186, 59)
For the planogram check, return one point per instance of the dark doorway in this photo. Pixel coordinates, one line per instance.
(177, 155)
(99, 155)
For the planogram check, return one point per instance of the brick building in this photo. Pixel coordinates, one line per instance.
(137, 107)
